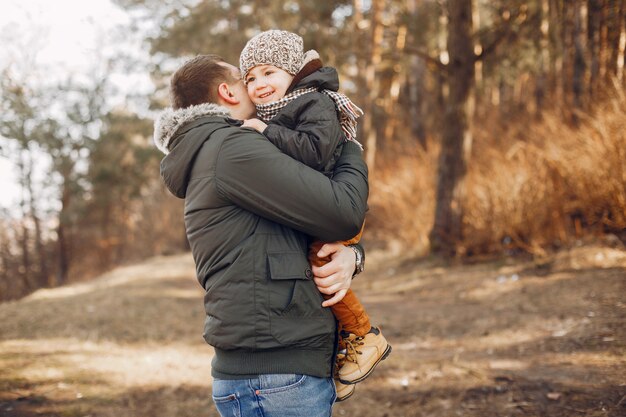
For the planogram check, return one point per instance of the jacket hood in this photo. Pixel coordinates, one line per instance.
(170, 121)
(325, 78)
(176, 133)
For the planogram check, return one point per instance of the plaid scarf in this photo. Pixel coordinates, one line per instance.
(348, 111)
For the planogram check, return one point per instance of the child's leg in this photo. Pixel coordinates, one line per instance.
(365, 346)
(351, 314)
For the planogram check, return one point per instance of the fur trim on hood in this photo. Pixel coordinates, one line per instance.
(169, 121)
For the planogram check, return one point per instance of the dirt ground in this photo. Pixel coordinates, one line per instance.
(504, 337)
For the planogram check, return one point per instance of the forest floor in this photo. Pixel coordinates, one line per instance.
(505, 337)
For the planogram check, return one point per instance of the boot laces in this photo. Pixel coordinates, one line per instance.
(340, 360)
(352, 350)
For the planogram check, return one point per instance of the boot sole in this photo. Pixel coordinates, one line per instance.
(338, 400)
(361, 378)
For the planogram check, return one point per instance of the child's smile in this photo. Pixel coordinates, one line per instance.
(267, 83)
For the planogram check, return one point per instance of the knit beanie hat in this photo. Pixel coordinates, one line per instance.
(279, 48)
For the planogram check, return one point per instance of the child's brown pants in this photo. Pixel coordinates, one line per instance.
(349, 312)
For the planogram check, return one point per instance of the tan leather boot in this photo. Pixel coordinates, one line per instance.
(363, 353)
(344, 391)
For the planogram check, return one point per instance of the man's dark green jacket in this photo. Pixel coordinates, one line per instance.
(250, 212)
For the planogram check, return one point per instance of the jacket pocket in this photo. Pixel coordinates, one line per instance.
(288, 265)
(296, 313)
(301, 320)
(292, 290)
(286, 271)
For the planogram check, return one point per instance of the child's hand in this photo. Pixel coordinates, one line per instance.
(255, 124)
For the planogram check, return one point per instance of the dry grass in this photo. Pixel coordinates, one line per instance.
(548, 182)
(402, 200)
(466, 342)
(532, 185)
(108, 347)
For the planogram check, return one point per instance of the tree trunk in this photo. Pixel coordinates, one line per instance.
(604, 42)
(362, 60)
(594, 10)
(616, 17)
(26, 267)
(105, 257)
(579, 57)
(447, 231)
(556, 42)
(371, 83)
(478, 48)
(567, 34)
(415, 80)
(544, 59)
(417, 104)
(442, 52)
(63, 247)
(391, 106)
(43, 272)
(621, 56)
(5, 265)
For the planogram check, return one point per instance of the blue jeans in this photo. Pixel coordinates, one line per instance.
(275, 395)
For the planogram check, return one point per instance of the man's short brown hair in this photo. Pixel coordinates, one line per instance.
(197, 80)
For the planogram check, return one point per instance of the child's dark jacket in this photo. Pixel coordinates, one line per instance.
(308, 128)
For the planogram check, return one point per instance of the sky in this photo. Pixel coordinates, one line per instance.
(66, 31)
(61, 37)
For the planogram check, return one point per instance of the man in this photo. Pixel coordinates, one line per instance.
(250, 211)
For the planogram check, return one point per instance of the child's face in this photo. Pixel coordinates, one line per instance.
(267, 83)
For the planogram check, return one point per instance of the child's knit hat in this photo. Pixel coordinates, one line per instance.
(275, 47)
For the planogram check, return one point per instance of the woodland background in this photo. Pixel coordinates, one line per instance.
(491, 128)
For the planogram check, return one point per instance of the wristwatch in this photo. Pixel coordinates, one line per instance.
(359, 264)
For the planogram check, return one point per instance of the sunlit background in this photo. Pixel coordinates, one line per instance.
(490, 127)
(495, 135)
(50, 42)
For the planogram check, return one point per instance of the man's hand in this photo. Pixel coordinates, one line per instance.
(255, 124)
(336, 276)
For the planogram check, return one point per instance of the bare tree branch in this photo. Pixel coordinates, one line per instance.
(503, 31)
(431, 60)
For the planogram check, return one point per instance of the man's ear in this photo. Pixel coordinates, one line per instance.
(226, 94)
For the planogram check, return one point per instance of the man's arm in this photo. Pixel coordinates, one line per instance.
(255, 175)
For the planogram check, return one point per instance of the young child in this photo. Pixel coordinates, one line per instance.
(305, 117)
